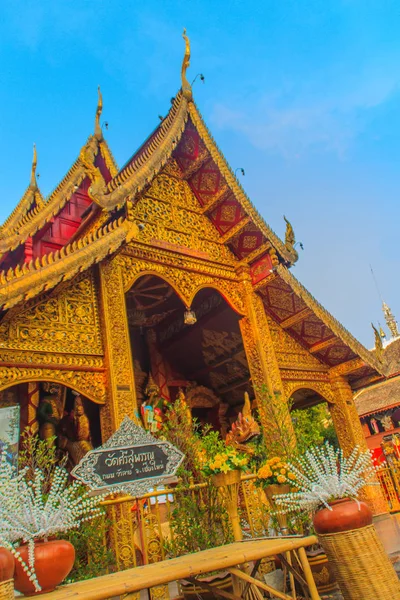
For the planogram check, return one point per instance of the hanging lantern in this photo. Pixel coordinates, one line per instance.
(189, 318)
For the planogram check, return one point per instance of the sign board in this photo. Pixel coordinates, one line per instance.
(9, 434)
(131, 461)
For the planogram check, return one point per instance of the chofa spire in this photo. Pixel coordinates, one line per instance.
(390, 320)
(97, 127)
(33, 183)
(186, 87)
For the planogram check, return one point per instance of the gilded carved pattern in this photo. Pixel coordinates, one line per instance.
(186, 283)
(90, 384)
(289, 352)
(320, 387)
(19, 357)
(121, 384)
(67, 322)
(350, 434)
(171, 213)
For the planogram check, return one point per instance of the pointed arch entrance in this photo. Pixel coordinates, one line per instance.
(206, 359)
(311, 418)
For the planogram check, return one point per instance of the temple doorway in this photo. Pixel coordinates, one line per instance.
(197, 352)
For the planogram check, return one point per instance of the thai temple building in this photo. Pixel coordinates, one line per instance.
(378, 405)
(129, 284)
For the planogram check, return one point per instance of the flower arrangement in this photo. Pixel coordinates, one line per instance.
(225, 461)
(275, 471)
(325, 474)
(27, 514)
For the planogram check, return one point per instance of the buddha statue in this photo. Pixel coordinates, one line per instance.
(49, 414)
(81, 442)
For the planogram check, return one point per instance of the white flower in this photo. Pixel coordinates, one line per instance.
(26, 514)
(324, 474)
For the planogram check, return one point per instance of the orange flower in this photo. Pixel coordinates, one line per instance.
(281, 479)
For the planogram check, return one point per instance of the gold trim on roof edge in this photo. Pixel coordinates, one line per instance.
(330, 321)
(29, 224)
(23, 283)
(24, 206)
(289, 255)
(141, 170)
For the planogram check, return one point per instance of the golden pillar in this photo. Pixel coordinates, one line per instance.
(121, 399)
(350, 434)
(264, 371)
(121, 394)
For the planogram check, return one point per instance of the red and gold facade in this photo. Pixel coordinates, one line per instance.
(72, 264)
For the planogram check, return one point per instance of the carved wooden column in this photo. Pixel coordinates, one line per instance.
(121, 399)
(121, 395)
(350, 434)
(261, 358)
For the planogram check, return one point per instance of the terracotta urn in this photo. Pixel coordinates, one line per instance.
(6, 565)
(346, 514)
(53, 562)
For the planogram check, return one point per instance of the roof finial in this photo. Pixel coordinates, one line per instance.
(390, 320)
(97, 127)
(289, 235)
(378, 343)
(33, 183)
(186, 87)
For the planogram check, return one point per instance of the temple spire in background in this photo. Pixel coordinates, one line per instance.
(97, 127)
(389, 317)
(390, 320)
(186, 87)
(33, 183)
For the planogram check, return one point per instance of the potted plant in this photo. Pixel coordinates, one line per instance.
(328, 484)
(30, 519)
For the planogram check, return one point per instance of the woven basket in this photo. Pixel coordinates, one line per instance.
(7, 590)
(361, 566)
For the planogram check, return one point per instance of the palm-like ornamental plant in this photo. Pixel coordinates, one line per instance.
(324, 474)
(27, 514)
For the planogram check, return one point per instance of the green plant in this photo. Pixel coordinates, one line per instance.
(313, 427)
(198, 521)
(35, 453)
(278, 430)
(181, 430)
(93, 557)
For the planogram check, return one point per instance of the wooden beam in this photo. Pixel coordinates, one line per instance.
(296, 318)
(255, 254)
(235, 230)
(322, 345)
(217, 199)
(348, 367)
(196, 165)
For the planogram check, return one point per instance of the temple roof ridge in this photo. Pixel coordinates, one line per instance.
(42, 274)
(29, 223)
(330, 321)
(31, 200)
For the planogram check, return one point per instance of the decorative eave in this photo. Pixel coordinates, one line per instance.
(31, 222)
(22, 283)
(144, 166)
(288, 254)
(334, 325)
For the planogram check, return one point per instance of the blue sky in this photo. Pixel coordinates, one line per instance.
(303, 95)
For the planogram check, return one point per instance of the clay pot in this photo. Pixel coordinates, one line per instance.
(322, 571)
(53, 562)
(6, 565)
(346, 514)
